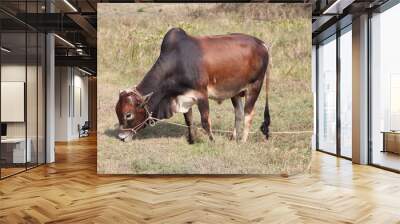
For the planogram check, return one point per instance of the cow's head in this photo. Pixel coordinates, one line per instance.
(131, 112)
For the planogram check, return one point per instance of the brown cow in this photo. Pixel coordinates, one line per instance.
(189, 71)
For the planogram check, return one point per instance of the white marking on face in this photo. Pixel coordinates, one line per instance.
(129, 116)
(125, 91)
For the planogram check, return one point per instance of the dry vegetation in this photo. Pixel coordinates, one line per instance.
(129, 41)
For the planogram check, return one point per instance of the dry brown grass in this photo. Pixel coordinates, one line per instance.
(128, 44)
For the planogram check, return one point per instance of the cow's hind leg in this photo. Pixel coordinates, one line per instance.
(189, 122)
(204, 110)
(239, 116)
(252, 93)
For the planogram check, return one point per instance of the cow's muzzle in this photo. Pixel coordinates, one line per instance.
(125, 135)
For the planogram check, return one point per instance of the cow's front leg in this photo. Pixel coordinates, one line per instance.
(205, 118)
(189, 122)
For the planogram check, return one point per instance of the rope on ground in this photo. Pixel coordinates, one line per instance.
(226, 131)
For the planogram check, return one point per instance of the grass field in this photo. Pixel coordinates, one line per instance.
(129, 38)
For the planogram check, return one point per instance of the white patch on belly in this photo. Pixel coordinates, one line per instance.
(182, 103)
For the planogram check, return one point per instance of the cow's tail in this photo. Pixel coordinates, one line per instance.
(267, 119)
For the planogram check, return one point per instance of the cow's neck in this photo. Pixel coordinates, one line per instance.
(152, 83)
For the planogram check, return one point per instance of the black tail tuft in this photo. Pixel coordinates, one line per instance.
(265, 129)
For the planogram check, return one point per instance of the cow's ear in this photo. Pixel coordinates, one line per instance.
(121, 91)
(146, 98)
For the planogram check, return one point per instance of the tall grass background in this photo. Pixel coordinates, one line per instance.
(129, 39)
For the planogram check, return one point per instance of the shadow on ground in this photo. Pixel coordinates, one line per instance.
(158, 131)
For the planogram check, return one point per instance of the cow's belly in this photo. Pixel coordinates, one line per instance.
(222, 94)
(183, 103)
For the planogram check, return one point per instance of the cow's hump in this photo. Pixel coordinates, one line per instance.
(172, 38)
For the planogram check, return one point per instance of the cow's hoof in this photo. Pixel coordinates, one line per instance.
(212, 139)
(190, 141)
(266, 139)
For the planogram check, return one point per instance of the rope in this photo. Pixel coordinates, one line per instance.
(226, 131)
